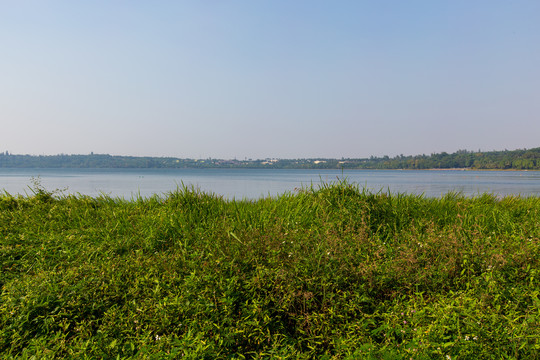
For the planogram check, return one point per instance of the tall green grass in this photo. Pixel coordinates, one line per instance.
(330, 273)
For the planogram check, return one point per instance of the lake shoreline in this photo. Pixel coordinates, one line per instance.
(473, 169)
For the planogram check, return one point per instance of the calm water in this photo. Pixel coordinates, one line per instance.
(255, 183)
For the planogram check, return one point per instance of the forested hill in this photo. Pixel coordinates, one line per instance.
(498, 160)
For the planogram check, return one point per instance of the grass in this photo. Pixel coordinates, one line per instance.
(328, 273)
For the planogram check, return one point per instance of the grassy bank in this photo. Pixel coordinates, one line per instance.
(329, 273)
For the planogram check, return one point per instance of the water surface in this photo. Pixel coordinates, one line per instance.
(256, 183)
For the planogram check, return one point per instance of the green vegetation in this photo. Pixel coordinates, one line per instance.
(328, 273)
(497, 160)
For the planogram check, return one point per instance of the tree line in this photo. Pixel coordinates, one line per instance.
(525, 159)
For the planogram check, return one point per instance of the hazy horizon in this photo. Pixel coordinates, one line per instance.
(280, 79)
(269, 157)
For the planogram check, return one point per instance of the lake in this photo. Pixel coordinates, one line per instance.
(256, 183)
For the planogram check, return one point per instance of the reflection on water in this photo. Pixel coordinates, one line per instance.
(255, 183)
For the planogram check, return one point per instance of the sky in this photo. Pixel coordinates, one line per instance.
(268, 79)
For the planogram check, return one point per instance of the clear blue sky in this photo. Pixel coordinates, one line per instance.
(280, 78)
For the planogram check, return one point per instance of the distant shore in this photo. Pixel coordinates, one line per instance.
(451, 169)
(459, 161)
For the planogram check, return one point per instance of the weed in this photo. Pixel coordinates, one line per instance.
(331, 272)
